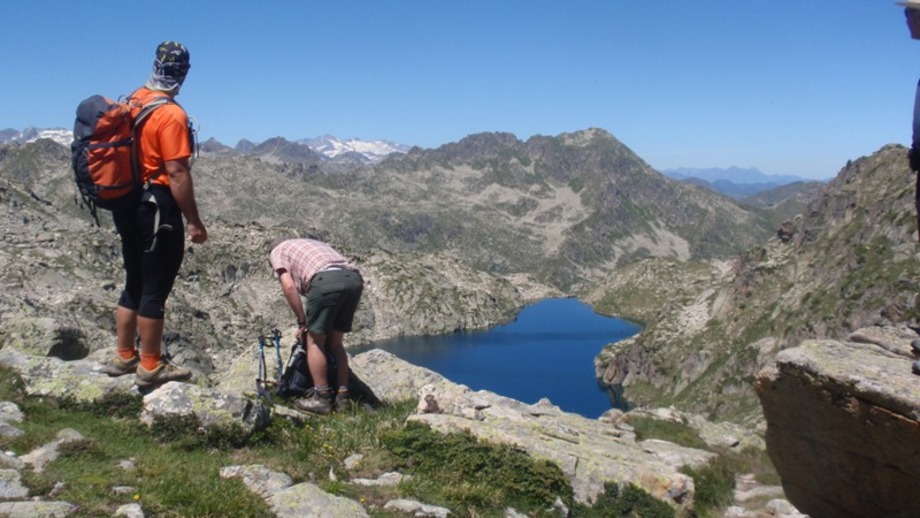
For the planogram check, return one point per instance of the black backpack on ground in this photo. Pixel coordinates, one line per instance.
(295, 380)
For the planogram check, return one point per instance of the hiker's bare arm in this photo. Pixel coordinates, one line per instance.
(291, 295)
(180, 184)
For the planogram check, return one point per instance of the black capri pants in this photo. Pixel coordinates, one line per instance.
(152, 246)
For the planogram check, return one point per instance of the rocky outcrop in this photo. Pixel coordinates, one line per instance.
(401, 289)
(846, 263)
(590, 452)
(843, 424)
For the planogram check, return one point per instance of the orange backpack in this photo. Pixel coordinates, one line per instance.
(104, 151)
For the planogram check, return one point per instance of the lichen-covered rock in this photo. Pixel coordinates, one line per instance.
(53, 377)
(46, 453)
(11, 485)
(212, 407)
(37, 509)
(258, 478)
(10, 412)
(44, 336)
(308, 501)
(418, 509)
(391, 379)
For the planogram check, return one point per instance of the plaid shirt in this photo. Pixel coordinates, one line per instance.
(303, 258)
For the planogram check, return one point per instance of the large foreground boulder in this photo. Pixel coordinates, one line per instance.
(843, 424)
(82, 381)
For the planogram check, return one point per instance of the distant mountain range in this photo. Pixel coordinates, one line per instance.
(59, 135)
(326, 146)
(736, 175)
(735, 182)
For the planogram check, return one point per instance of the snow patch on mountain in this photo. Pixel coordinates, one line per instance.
(327, 145)
(59, 135)
(332, 147)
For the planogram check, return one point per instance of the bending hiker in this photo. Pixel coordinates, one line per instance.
(332, 286)
(151, 231)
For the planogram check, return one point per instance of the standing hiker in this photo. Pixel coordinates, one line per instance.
(152, 230)
(332, 286)
(912, 13)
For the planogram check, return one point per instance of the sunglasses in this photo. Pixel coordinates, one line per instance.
(175, 69)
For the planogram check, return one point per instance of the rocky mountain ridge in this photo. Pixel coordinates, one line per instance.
(555, 208)
(848, 262)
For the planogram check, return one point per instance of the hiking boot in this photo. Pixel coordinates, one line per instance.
(118, 366)
(341, 400)
(315, 403)
(161, 374)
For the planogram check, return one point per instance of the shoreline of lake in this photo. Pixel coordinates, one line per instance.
(547, 351)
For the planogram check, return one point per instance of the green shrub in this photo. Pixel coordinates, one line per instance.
(468, 475)
(630, 501)
(650, 428)
(111, 404)
(187, 432)
(714, 484)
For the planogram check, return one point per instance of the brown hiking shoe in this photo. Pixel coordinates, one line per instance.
(118, 366)
(315, 403)
(161, 374)
(341, 399)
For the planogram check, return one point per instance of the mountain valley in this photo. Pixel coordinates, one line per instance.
(461, 237)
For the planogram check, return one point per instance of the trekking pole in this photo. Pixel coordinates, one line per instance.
(261, 360)
(277, 336)
(261, 389)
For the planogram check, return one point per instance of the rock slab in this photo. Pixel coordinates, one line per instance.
(843, 427)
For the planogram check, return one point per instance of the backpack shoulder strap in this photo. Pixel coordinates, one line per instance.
(148, 108)
(145, 112)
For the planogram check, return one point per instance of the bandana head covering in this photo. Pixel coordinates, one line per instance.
(170, 66)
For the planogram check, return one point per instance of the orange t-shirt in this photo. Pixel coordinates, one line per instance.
(164, 136)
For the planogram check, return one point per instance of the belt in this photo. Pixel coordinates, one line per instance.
(331, 268)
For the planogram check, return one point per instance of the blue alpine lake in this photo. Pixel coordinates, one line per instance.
(547, 351)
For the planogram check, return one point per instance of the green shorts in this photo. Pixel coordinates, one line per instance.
(332, 300)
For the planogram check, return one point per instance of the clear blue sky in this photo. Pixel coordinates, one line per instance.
(787, 86)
